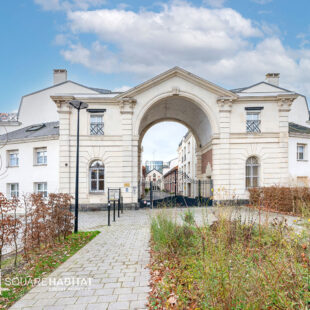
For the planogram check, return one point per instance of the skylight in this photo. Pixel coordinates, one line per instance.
(35, 127)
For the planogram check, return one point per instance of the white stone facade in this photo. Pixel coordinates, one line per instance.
(216, 117)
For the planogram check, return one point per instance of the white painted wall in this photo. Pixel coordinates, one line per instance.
(27, 173)
(298, 168)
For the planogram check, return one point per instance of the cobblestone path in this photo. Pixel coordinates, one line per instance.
(111, 269)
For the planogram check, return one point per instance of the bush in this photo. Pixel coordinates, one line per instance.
(41, 224)
(295, 200)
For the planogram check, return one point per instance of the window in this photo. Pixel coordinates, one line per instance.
(253, 122)
(252, 172)
(13, 190)
(189, 167)
(41, 156)
(301, 151)
(41, 188)
(96, 125)
(188, 147)
(154, 177)
(13, 159)
(96, 171)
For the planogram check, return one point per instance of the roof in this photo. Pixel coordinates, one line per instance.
(32, 131)
(171, 170)
(239, 90)
(295, 128)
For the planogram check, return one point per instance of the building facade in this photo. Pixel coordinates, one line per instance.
(253, 136)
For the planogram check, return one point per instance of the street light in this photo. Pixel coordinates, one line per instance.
(79, 105)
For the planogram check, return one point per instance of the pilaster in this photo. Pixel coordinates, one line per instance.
(129, 151)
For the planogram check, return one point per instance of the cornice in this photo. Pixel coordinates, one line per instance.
(127, 105)
(225, 104)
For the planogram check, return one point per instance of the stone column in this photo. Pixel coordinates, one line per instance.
(129, 153)
(221, 152)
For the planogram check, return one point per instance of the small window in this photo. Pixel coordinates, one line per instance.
(253, 122)
(41, 156)
(96, 171)
(13, 159)
(301, 151)
(13, 190)
(252, 172)
(96, 125)
(41, 188)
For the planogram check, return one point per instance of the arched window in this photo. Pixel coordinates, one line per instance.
(96, 172)
(154, 177)
(252, 172)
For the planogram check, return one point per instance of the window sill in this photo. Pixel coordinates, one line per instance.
(39, 165)
(97, 193)
(302, 160)
(12, 166)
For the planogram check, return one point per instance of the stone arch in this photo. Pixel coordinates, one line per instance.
(193, 101)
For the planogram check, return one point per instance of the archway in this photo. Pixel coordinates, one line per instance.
(184, 110)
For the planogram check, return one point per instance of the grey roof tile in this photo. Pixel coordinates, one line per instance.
(295, 128)
(46, 130)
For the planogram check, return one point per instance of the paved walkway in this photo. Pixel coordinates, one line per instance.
(114, 262)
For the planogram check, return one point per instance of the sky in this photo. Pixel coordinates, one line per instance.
(119, 44)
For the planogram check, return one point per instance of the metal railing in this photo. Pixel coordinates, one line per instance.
(253, 126)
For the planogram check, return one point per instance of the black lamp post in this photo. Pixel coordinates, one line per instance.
(79, 105)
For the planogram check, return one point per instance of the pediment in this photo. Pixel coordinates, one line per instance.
(181, 73)
(264, 87)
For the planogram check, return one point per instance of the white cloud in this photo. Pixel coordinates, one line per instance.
(218, 44)
(215, 3)
(262, 2)
(66, 5)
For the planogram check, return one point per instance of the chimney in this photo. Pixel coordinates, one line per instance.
(273, 78)
(60, 76)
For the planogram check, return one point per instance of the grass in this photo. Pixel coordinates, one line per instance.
(39, 265)
(230, 264)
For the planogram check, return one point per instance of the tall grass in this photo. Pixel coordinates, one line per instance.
(231, 264)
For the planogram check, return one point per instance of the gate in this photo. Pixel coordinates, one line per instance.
(176, 190)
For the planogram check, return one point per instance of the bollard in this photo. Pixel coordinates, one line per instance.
(118, 208)
(109, 212)
(114, 211)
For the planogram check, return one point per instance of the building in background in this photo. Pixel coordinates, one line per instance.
(187, 165)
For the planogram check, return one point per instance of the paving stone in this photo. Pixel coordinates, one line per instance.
(112, 261)
(119, 305)
(87, 300)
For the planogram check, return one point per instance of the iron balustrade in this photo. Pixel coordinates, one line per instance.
(96, 129)
(253, 126)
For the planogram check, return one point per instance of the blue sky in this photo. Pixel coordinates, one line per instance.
(118, 44)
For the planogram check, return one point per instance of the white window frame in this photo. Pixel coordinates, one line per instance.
(304, 153)
(97, 179)
(13, 152)
(251, 113)
(252, 176)
(94, 124)
(12, 191)
(43, 191)
(44, 156)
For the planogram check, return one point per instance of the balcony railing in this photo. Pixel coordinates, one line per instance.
(96, 129)
(253, 126)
